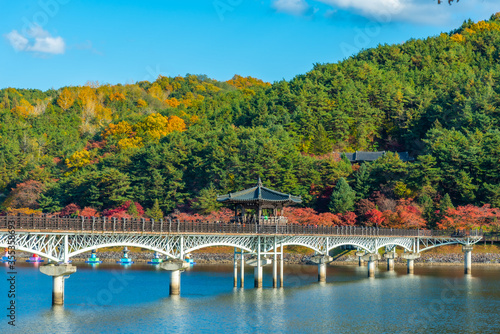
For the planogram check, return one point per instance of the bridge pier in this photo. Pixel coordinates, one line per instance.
(58, 273)
(281, 266)
(235, 269)
(390, 260)
(372, 259)
(467, 249)
(322, 261)
(360, 255)
(410, 261)
(242, 270)
(175, 267)
(275, 270)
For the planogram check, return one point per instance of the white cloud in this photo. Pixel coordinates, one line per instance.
(294, 7)
(18, 41)
(38, 41)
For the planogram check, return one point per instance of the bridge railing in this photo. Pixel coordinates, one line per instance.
(134, 225)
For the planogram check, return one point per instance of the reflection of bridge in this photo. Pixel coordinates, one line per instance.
(59, 239)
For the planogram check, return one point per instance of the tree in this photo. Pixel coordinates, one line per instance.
(25, 195)
(206, 202)
(132, 210)
(155, 212)
(342, 198)
(65, 99)
(361, 182)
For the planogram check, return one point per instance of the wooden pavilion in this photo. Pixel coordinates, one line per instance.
(259, 205)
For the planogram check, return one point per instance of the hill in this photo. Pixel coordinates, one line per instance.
(182, 140)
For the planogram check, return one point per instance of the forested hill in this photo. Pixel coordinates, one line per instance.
(182, 140)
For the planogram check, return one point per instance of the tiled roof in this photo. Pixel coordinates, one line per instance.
(259, 193)
(372, 156)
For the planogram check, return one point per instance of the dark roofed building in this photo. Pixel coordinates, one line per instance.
(360, 156)
(259, 204)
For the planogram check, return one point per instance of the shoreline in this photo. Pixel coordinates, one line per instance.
(429, 259)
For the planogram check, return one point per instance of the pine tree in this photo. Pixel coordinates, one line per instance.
(445, 204)
(155, 212)
(132, 210)
(207, 201)
(361, 185)
(342, 199)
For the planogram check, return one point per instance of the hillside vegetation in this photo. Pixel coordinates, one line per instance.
(173, 144)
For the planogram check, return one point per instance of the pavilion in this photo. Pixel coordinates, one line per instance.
(259, 205)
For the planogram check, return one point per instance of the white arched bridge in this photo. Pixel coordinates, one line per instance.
(60, 239)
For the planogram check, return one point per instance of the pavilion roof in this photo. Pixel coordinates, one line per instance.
(259, 193)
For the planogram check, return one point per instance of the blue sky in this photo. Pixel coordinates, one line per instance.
(54, 43)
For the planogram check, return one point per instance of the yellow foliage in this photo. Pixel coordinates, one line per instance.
(141, 103)
(173, 102)
(156, 92)
(175, 124)
(78, 159)
(156, 126)
(482, 26)
(117, 130)
(65, 99)
(117, 96)
(24, 109)
(200, 88)
(244, 82)
(130, 143)
(457, 38)
(23, 211)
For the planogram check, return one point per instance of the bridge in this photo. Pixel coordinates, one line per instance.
(60, 239)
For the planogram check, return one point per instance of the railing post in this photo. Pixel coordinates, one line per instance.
(161, 225)
(169, 225)
(143, 223)
(103, 224)
(114, 224)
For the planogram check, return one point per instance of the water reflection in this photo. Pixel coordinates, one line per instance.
(435, 299)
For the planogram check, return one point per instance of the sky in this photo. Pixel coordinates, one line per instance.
(48, 44)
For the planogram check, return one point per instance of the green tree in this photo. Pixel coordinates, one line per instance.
(342, 199)
(155, 212)
(206, 202)
(132, 210)
(362, 182)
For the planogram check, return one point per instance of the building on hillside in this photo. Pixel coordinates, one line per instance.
(259, 205)
(360, 156)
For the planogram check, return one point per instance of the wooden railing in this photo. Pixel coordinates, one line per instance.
(145, 225)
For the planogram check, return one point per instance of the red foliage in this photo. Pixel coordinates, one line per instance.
(406, 215)
(348, 219)
(25, 195)
(364, 206)
(70, 209)
(374, 218)
(89, 212)
(121, 211)
(469, 217)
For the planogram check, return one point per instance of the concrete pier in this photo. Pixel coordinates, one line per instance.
(410, 261)
(371, 260)
(275, 270)
(390, 260)
(175, 267)
(322, 261)
(242, 270)
(467, 249)
(258, 262)
(235, 270)
(58, 273)
(257, 273)
(281, 266)
(322, 272)
(360, 255)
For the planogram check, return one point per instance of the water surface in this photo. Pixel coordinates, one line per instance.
(110, 298)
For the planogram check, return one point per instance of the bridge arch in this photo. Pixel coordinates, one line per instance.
(216, 244)
(292, 243)
(439, 245)
(120, 244)
(349, 244)
(395, 244)
(29, 250)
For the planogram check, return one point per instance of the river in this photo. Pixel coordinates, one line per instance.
(110, 298)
